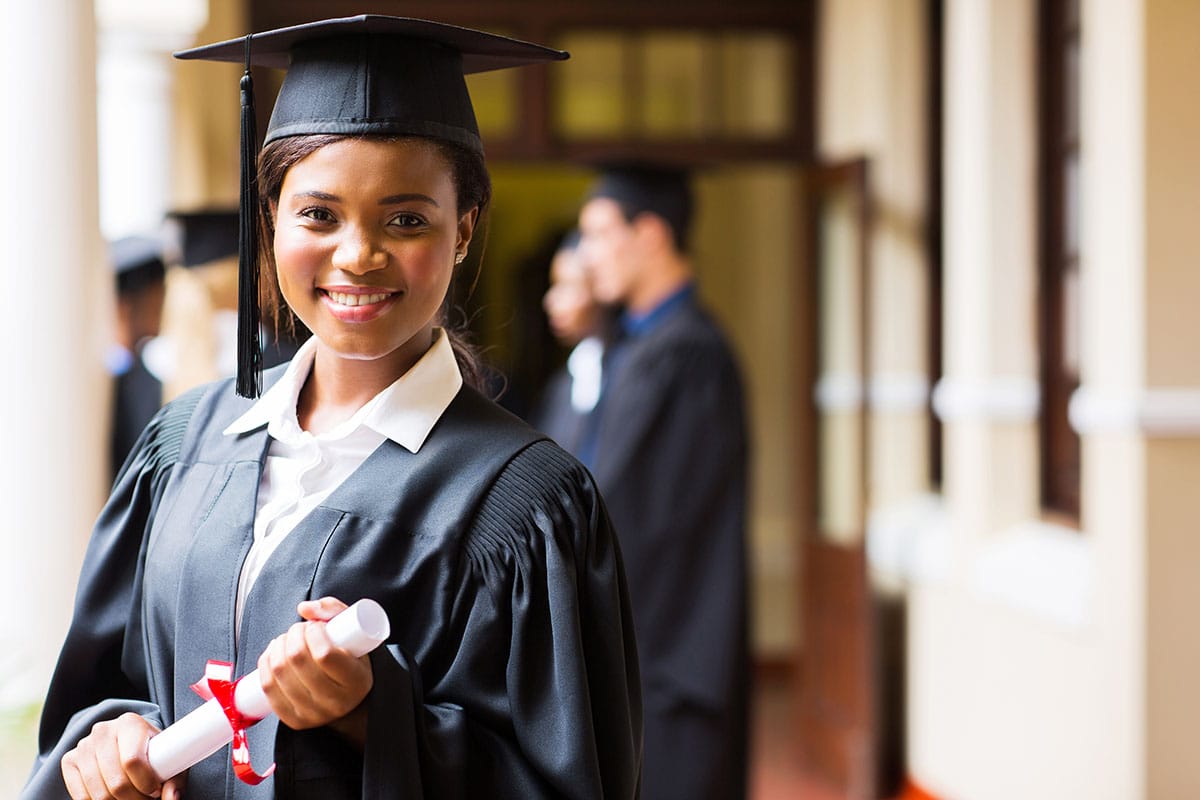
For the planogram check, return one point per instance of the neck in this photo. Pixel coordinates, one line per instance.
(658, 282)
(337, 387)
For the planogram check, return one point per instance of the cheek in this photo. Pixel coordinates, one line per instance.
(296, 261)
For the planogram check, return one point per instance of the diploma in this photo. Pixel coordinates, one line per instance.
(359, 629)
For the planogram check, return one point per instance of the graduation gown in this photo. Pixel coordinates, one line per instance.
(554, 415)
(137, 396)
(510, 671)
(670, 454)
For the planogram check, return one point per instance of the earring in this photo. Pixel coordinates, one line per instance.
(459, 258)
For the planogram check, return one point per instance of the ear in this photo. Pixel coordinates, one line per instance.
(466, 229)
(652, 229)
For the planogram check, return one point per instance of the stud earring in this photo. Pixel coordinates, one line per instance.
(459, 258)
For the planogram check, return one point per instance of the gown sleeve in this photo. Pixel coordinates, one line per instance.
(101, 671)
(539, 696)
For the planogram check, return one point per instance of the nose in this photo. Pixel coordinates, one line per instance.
(358, 253)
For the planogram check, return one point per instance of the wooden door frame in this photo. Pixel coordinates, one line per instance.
(838, 744)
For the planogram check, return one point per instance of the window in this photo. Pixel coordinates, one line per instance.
(1059, 244)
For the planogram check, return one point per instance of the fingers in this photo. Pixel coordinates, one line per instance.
(110, 762)
(173, 788)
(308, 680)
(132, 742)
(321, 610)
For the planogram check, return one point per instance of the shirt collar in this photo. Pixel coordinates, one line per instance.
(404, 412)
(637, 324)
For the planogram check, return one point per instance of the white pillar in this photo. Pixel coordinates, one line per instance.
(134, 112)
(135, 77)
(989, 395)
(55, 396)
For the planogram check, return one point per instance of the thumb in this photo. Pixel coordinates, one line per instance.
(321, 610)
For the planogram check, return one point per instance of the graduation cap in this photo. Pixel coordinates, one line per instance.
(368, 74)
(640, 187)
(137, 262)
(204, 236)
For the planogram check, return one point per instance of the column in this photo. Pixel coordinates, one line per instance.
(55, 398)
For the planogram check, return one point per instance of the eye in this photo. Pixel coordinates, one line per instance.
(407, 219)
(318, 214)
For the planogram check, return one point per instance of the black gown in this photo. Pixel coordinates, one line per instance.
(137, 396)
(511, 669)
(669, 454)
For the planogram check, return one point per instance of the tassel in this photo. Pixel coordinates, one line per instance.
(249, 345)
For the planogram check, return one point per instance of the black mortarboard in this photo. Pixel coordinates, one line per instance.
(368, 74)
(202, 237)
(137, 261)
(659, 189)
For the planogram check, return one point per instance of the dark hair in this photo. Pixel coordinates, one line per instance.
(643, 188)
(473, 189)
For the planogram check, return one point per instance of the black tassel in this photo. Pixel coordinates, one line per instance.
(249, 353)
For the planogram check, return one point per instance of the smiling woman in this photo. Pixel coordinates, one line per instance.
(365, 238)
(370, 467)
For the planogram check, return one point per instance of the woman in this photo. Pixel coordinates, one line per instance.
(367, 469)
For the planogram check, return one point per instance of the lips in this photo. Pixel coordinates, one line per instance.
(355, 304)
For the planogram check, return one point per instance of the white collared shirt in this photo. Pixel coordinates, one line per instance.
(303, 469)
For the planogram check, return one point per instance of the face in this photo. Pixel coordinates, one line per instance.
(609, 246)
(569, 304)
(366, 234)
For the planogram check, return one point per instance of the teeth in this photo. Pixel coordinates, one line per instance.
(343, 299)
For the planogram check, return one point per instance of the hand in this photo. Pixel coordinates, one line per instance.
(310, 682)
(111, 762)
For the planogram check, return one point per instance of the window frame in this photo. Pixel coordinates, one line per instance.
(1058, 147)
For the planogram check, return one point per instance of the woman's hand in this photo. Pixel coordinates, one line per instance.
(310, 682)
(111, 762)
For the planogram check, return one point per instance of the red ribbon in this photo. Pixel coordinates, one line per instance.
(217, 683)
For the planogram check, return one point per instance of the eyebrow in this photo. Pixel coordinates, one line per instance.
(392, 199)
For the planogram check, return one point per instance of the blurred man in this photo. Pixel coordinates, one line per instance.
(667, 444)
(137, 262)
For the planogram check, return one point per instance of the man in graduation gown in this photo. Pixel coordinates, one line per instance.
(667, 444)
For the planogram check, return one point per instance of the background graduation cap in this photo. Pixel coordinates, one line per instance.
(368, 74)
(137, 261)
(203, 236)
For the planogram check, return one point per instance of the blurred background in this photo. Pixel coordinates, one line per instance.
(953, 241)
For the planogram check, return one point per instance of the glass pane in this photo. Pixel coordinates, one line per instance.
(495, 96)
(1071, 92)
(1070, 323)
(840, 386)
(756, 85)
(1070, 200)
(1070, 14)
(589, 89)
(675, 99)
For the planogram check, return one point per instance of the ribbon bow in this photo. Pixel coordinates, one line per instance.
(217, 683)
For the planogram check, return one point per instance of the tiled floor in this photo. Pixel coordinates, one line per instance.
(776, 772)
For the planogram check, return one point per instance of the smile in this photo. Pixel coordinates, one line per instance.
(354, 300)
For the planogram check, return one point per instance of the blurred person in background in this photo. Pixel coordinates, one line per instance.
(137, 262)
(198, 343)
(667, 443)
(580, 324)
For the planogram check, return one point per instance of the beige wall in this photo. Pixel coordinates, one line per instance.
(1044, 662)
(1172, 333)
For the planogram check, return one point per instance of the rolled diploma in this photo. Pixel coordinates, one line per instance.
(359, 629)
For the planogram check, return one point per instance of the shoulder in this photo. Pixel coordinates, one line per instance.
(689, 346)
(542, 498)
